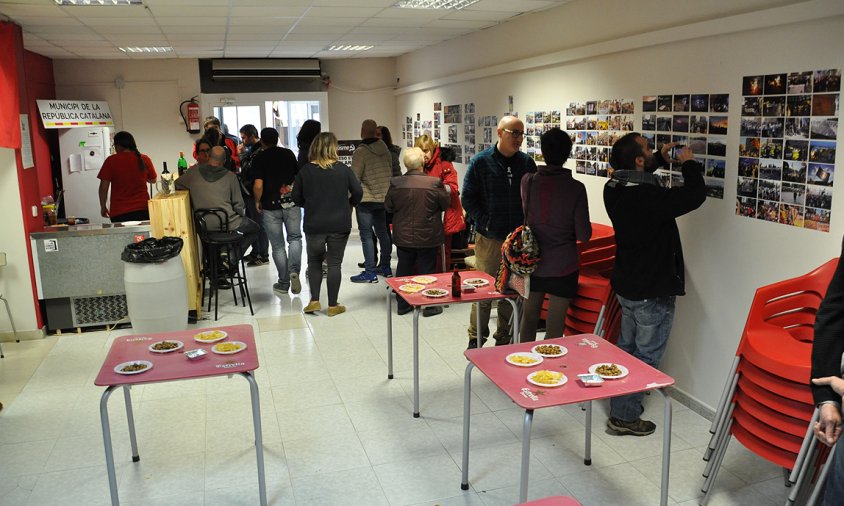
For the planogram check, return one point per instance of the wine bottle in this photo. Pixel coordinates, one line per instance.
(455, 283)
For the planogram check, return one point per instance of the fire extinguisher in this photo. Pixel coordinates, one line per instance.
(192, 119)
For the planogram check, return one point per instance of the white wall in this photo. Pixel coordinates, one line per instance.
(361, 88)
(727, 257)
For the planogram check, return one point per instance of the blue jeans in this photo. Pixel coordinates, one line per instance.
(835, 477)
(275, 223)
(372, 215)
(645, 326)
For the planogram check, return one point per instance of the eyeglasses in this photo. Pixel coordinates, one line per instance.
(203, 150)
(514, 133)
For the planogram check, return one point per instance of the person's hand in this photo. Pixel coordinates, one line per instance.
(828, 427)
(665, 151)
(835, 382)
(258, 207)
(686, 154)
(104, 211)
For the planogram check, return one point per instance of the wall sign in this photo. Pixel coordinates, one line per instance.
(74, 113)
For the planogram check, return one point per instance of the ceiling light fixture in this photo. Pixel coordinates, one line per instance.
(348, 48)
(96, 3)
(434, 4)
(147, 49)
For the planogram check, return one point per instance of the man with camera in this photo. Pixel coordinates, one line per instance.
(648, 272)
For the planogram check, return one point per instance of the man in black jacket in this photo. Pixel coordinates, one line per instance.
(648, 272)
(250, 147)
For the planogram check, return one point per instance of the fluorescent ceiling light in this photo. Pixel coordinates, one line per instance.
(98, 2)
(349, 48)
(147, 49)
(434, 4)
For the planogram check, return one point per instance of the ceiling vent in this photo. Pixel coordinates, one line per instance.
(262, 68)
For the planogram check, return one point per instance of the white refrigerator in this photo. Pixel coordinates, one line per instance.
(82, 152)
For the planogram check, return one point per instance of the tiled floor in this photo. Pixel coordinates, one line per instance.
(336, 431)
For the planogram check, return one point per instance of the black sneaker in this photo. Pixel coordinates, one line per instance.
(404, 310)
(638, 427)
(432, 311)
(473, 343)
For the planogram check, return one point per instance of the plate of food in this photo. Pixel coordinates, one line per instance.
(423, 280)
(476, 282)
(524, 359)
(228, 348)
(549, 350)
(166, 346)
(609, 371)
(435, 293)
(133, 367)
(210, 336)
(412, 287)
(545, 378)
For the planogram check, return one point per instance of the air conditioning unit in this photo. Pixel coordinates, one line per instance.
(262, 68)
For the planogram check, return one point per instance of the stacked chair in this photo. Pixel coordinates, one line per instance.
(767, 402)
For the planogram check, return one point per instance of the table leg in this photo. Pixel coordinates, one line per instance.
(523, 485)
(467, 413)
(259, 439)
(130, 416)
(666, 447)
(587, 457)
(109, 451)
(389, 333)
(416, 312)
(516, 310)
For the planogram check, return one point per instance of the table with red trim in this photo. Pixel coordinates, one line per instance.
(584, 350)
(172, 367)
(419, 301)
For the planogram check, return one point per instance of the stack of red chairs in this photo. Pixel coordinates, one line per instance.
(767, 402)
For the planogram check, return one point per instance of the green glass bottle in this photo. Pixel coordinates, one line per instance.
(182, 164)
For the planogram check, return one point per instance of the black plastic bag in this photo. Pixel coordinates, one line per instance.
(152, 250)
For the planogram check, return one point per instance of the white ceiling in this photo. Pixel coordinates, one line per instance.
(250, 28)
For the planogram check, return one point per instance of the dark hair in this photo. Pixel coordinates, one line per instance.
(269, 136)
(386, 136)
(201, 140)
(556, 146)
(126, 141)
(214, 137)
(249, 130)
(309, 129)
(625, 151)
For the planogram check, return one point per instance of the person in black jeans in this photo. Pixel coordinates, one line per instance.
(251, 146)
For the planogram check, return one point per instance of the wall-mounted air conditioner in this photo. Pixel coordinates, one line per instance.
(262, 68)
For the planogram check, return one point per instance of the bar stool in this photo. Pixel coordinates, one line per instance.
(216, 241)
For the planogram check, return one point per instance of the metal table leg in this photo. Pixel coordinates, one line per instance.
(109, 452)
(416, 312)
(127, 397)
(259, 439)
(514, 303)
(389, 333)
(587, 456)
(523, 484)
(467, 413)
(666, 448)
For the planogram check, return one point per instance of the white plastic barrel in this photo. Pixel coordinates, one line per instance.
(157, 296)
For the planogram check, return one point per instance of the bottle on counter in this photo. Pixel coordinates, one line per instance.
(455, 283)
(166, 180)
(182, 164)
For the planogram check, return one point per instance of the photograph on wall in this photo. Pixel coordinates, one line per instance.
(787, 145)
(595, 125)
(696, 120)
(452, 134)
(536, 124)
(438, 106)
(452, 114)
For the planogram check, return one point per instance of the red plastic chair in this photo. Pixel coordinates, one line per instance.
(791, 408)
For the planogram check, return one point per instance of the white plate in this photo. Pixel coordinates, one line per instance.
(435, 293)
(563, 350)
(594, 370)
(562, 381)
(131, 223)
(118, 368)
(423, 280)
(476, 282)
(240, 343)
(198, 339)
(537, 359)
(411, 287)
(177, 348)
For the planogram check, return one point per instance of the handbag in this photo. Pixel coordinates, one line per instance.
(519, 256)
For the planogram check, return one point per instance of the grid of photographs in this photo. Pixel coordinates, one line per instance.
(488, 126)
(696, 120)
(407, 131)
(595, 126)
(787, 144)
(469, 129)
(536, 124)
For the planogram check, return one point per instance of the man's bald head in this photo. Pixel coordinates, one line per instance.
(511, 133)
(217, 157)
(368, 129)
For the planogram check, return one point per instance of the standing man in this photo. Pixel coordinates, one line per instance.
(274, 170)
(372, 163)
(250, 147)
(648, 273)
(493, 201)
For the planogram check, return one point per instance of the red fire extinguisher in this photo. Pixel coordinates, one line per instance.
(192, 119)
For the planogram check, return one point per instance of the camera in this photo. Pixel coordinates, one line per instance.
(674, 152)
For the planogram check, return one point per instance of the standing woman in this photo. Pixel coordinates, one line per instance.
(395, 151)
(438, 164)
(127, 173)
(327, 190)
(557, 211)
(309, 129)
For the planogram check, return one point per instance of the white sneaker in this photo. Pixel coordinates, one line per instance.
(295, 284)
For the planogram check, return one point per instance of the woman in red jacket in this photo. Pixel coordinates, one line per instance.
(438, 164)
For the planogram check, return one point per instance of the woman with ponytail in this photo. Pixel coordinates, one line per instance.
(127, 173)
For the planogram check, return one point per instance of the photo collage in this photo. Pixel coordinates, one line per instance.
(536, 124)
(468, 132)
(595, 126)
(698, 121)
(787, 144)
(488, 125)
